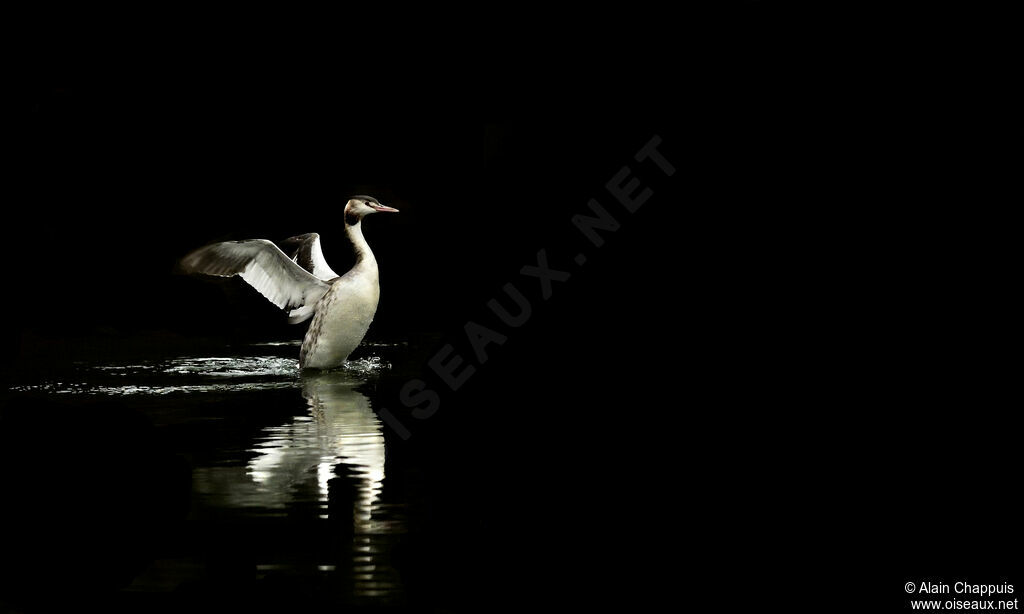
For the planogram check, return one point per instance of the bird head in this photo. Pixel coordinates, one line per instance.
(359, 207)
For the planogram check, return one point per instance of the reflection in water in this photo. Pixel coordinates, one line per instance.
(340, 430)
(335, 443)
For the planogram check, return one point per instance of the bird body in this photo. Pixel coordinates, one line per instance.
(341, 307)
(342, 318)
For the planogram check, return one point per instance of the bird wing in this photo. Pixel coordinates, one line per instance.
(309, 256)
(264, 267)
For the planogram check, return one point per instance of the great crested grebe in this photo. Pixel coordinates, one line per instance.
(342, 307)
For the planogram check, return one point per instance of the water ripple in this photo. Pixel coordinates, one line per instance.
(190, 374)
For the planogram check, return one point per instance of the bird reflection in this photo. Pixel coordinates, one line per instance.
(341, 428)
(296, 464)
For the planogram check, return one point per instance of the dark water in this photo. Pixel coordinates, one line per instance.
(287, 475)
(228, 481)
(160, 477)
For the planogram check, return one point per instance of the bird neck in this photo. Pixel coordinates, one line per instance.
(364, 256)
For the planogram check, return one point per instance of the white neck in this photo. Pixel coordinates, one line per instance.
(365, 262)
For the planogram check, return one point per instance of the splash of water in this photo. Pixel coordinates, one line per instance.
(366, 366)
(190, 374)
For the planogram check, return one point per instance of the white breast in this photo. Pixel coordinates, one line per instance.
(342, 318)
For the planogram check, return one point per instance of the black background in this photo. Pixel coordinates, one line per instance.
(784, 379)
(117, 185)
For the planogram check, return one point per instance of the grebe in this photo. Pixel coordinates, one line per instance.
(342, 307)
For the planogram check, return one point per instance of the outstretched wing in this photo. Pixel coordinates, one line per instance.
(264, 267)
(309, 256)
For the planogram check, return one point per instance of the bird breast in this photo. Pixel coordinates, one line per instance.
(342, 318)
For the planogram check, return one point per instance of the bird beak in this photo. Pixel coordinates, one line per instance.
(384, 209)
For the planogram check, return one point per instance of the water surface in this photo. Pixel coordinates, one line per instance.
(289, 471)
